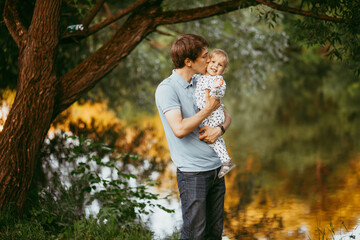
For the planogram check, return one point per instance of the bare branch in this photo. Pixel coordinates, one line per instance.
(13, 23)
(116, 16)
(164, 33)
(93, 13)
(300, 12)
(109, 14)
(171, 17)
(106, 22)
(85, 75)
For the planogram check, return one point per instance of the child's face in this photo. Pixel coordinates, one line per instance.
(216, 65)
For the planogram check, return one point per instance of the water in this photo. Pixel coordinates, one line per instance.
(274, 201)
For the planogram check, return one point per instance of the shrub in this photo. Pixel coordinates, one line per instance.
(70, 181)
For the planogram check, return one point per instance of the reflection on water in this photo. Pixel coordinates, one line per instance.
(304, 206)
(298, 155)
(295, 208)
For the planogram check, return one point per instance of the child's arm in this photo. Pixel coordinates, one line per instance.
(217, 83)
(218, 87)
(201, 86)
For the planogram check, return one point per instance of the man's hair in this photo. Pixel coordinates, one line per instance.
(187, 46)
(220, 52)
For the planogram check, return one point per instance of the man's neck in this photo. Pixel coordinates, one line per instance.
(185, 73)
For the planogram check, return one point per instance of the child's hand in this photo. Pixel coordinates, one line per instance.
(217, 83)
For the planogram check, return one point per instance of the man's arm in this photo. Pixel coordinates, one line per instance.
(183, 126)
(211, 134)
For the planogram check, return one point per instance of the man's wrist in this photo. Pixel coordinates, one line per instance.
(222, 129)
(207, 110)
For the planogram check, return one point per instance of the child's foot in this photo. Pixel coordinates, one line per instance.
(225, 168)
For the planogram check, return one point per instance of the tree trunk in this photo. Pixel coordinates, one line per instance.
(31, 113)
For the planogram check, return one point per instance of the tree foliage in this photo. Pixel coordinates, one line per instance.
(339, 39)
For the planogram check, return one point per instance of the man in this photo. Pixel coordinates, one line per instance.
(201, 191)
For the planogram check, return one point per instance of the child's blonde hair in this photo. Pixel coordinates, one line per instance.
(220, 52)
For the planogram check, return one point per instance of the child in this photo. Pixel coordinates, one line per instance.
(213, 81)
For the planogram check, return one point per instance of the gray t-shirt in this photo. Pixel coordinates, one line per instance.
(189, 154)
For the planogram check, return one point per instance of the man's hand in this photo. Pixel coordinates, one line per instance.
(211, 102)
(209, 134)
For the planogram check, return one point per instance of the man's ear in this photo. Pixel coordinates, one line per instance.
(188, 62)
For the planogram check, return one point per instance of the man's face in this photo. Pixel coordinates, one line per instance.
(199, 65)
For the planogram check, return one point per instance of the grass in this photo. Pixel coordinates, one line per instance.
(330, 233)
(13, 228)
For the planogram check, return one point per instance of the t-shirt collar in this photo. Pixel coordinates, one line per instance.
(180, 80)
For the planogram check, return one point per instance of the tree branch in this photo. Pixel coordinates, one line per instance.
(42, 41)
(116, 16)
(109, 14)
(92, 13)
(47, 25)
(13, 23)
(299, 11)
(170, 17)
(106, 22)
(85, 75)
(164, 33)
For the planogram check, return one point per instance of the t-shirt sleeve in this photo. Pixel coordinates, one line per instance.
(166, 98)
